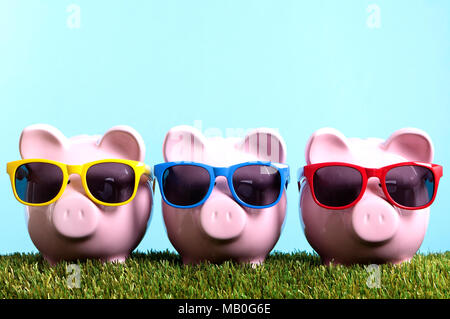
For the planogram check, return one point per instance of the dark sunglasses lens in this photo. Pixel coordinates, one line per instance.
(111, 183)
(410, 186)
(38, 183)
(257, 185)
(185, 185)
(337, 186)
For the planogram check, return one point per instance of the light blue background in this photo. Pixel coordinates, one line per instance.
(292, 65)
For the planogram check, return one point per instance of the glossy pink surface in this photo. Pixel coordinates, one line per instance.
(221, 229)
(74, 227)
(372, 231)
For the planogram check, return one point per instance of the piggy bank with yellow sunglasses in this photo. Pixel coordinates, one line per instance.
(86, 196)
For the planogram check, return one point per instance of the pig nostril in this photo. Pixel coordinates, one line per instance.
(68, 182)
(228, 216)
(381, 219)
(81, 214)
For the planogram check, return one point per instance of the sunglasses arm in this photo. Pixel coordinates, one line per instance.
(439, 170)
(300, 178)
(288, 179)
(150, 177)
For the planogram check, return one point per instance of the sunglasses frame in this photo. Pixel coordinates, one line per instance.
(227, 172)
(308, 172)
(139, 169)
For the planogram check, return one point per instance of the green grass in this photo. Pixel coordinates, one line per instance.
(162, 275)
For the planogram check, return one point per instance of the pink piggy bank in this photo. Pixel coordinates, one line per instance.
(220, 228)
(74, 227)
(382, 221)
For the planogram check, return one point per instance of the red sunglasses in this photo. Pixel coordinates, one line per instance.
(408, 185)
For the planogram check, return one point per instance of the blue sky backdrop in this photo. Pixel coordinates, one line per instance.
(366, 68)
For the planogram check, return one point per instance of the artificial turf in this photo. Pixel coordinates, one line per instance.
(162, 275)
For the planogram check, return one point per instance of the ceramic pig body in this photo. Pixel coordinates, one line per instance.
(374, 230)
(221, 229)
(74, 227)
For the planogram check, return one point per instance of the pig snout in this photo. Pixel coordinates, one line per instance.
(374, 220)
(75, 216)
(222, 218)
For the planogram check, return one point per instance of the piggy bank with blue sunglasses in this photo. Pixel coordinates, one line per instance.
(223, 198)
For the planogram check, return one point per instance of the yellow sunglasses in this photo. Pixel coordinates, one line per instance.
(109, 182)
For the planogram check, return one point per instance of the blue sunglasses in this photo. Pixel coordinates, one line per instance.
(252, 184)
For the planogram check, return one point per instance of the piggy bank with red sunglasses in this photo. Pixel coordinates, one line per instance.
(367, 200)
(223, 198)
(73, 226)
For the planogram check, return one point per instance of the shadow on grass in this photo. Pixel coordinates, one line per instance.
(306, 258)
(157, 256)
(303, 257)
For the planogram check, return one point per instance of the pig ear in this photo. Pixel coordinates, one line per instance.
(42, 141)
(184, 143)
(326, 145)
(123, 141)
(412, 144)
(266, 144)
